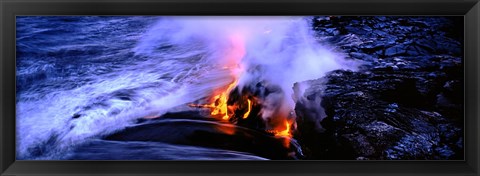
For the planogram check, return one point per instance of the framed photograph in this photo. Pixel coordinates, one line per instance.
(235, 88)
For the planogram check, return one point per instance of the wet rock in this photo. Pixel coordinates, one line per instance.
(397, 50)
(207, 133)
(378, 115)
(405, 102)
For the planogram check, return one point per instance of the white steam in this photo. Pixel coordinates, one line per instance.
(279, 50)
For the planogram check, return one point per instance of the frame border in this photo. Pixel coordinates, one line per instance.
(470, 9)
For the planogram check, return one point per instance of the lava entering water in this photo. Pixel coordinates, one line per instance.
(265, 58)
(219, 106)
(241, 106)
(233, 56)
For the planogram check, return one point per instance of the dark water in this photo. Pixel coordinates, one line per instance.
(114, 150)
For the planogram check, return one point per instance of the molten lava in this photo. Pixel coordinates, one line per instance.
(241, 106)
(286, 132)
(249, 109)
(233, 57)
(219, 107)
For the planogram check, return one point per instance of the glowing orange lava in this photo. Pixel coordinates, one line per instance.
(219, 106)
(232, 60)
(286, 132)
(249, 109)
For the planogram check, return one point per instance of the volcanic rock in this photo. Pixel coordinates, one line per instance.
(406, 102)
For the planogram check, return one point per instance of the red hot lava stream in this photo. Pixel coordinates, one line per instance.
(218, 101)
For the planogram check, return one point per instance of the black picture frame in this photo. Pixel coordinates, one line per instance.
(470, 9)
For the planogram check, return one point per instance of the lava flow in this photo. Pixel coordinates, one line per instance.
(240, 109)
(286, 132)
(233, 57)
(249, 109)
(219, 106)
(229, 104)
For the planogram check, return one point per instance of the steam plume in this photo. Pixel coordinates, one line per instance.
(280, 51)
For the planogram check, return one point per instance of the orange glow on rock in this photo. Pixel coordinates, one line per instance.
(226, 129)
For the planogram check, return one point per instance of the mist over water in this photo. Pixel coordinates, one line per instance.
(82, 78)
(280, 51)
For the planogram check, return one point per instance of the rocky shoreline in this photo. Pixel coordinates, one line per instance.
(404, 103)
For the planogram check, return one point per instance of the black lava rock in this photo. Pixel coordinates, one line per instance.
(406, 102)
